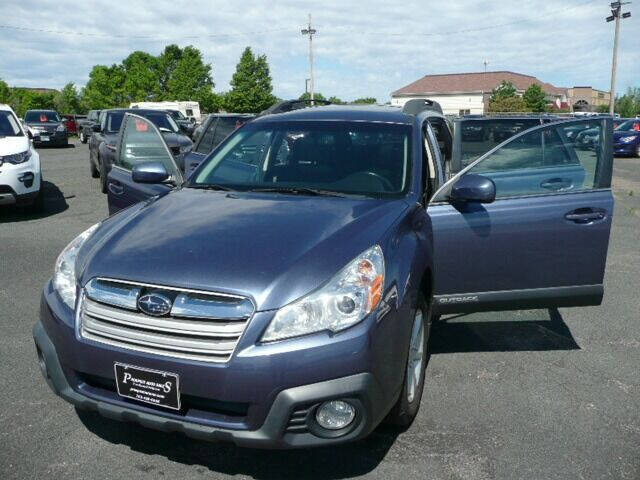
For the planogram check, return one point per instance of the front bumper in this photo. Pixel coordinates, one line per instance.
(625, 148)
(13, 190)
(53, 138)
(275, 407)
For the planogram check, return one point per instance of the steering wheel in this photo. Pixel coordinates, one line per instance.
(384, 181)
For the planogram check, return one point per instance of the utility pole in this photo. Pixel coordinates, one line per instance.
(311, 32)
(617, 15)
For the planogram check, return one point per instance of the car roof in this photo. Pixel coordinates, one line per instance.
(137, 111)
(5, 107)
(355, 113)
(41, 110)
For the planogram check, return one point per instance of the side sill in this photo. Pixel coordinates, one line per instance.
(573, 296)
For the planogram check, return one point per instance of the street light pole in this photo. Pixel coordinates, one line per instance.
(311, 32)
(617, 15)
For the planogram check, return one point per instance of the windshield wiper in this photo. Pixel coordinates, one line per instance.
(299, 191)
(212, 186)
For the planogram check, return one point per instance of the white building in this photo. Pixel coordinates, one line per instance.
(188, 108)
(468, 93)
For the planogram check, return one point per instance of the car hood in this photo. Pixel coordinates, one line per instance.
(628, 133)
(273, 248)
(43, 124)
(11, 145)
(176, 139)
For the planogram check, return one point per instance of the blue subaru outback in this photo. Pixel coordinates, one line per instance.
(283, 295)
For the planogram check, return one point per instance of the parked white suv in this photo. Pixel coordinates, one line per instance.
(20, 173)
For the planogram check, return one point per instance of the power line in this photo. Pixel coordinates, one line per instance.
(124, 36)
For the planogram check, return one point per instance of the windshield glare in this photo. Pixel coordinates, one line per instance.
(359, 158)
(629, 126)
(36, 116)
(9, 126)
(163, 121)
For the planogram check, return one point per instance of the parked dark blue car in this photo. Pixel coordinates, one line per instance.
(283, 296)
(626, 138)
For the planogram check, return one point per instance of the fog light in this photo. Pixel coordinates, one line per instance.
(335, 414)
(27, 179)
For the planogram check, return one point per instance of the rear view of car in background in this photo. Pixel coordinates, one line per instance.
(48, 127)
(626, 138)
(85, 125)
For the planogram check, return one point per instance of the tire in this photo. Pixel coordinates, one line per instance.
(406, 408)
(38, 203)
(103, 176)
(95, 173)
(83, 138)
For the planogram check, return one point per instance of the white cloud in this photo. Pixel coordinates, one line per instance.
(362, 48)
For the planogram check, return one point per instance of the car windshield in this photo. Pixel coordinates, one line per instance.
(9, 126)
(114, 120)
(163, 121)
(629, 126)
(177, 114)
(480, 136)
(37, 116)
(311, 158)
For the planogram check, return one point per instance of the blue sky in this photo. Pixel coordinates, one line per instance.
(362, 48)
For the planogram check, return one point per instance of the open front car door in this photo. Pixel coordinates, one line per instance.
(527, 224)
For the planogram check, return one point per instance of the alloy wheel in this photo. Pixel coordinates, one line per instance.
(415, 362)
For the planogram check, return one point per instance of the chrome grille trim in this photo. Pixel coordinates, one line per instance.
(107, 315)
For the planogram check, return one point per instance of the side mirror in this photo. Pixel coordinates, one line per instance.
(30, 135)
(149, 172)
(96, 127)
(473, 188)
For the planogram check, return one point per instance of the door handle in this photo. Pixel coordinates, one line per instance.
(586, 215)
(557, 184)
(116, 189)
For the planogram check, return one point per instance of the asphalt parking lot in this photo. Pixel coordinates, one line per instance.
(512, 395)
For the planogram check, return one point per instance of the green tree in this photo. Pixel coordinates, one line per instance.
(105, 88)
(68, 100)
(504, 90)
(251, 87)
(628, 105)
(336, 101)
(141, 77)
(316, 96)
(366, 101)
(5, 92)
(167, 63)
(535, 98)
(508, 104)
(189, 78)
(602, 108)
(22, 100)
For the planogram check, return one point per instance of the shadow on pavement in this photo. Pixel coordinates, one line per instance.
(54, 203)
(337, 462)
(453, 336)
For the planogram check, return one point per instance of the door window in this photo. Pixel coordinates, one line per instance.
(141, 142)
(225, 126)
(546, 160)
(206, 140)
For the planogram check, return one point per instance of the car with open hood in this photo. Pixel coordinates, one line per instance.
(283, 295)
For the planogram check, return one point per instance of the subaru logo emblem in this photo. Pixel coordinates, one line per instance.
(154, 304)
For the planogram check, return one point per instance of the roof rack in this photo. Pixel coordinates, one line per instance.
(417, 105)
(290, 105)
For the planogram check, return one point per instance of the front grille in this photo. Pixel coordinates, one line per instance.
(201, 326)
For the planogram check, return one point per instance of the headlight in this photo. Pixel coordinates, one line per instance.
(64, 275)
(628, 139)
(344, 301)
(16, 158)
(60, 128)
